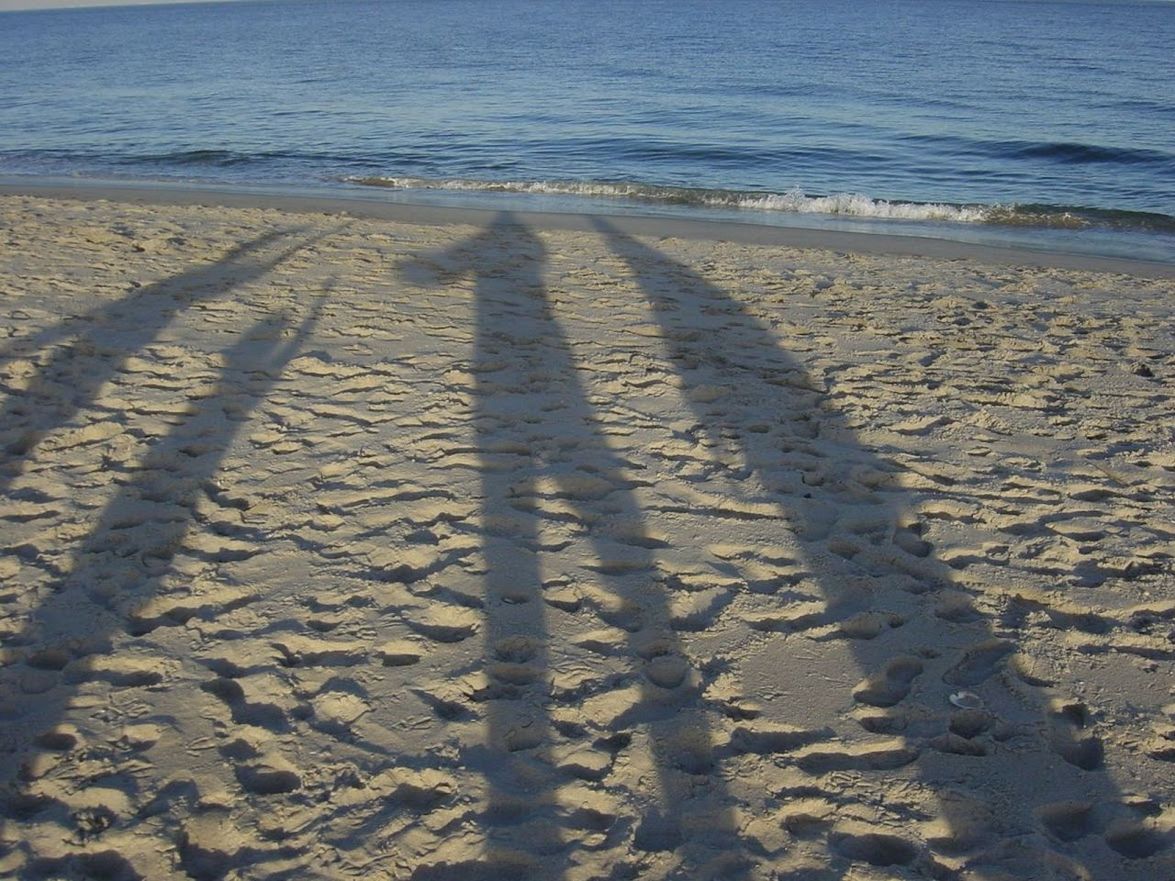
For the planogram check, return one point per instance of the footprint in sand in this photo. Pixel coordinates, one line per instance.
(1068, 736)
(891, 685)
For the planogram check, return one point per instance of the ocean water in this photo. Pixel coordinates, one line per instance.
(1040, 122)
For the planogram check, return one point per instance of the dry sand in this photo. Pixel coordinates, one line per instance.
(337, 547)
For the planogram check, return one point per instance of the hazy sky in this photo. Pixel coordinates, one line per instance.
(61, 4)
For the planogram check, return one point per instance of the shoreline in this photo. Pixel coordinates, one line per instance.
(748, 233)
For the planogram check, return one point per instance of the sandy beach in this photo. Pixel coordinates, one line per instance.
(339, 546)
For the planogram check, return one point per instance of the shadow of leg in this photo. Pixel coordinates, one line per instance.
(81, 637)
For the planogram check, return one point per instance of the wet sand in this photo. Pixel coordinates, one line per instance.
(480, 546)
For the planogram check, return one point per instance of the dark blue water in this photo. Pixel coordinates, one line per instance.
(959, 113)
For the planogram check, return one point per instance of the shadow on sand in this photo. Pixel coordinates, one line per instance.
(71, 377)
(70, 638)
(976, 774)
(544, 459)
(989, 769)
(900, 762)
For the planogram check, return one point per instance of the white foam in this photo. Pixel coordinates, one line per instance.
(858, 205)
(792, 202)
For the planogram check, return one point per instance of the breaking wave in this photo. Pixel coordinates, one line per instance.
(795, 201)
(792, 202)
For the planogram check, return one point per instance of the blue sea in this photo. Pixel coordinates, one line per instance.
(1041, 123)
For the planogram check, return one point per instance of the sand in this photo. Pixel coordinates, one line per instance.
(338, 546)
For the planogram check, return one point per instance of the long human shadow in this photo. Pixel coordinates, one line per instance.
(108, 335)
(540, 444)
(865, 550)
(122, 562)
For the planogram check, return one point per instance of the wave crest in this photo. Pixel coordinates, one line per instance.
(793, 201)
(796, 201)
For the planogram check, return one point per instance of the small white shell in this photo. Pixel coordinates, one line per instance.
(966, 700)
